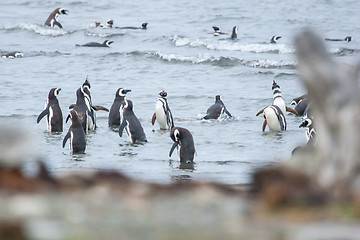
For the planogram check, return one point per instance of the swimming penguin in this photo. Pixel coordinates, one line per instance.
(52, 111)
(162, 113)
(14, 54)
(310, 130)
(109, 24)
(53, 18)
(274, 39)
(274, 118)
(106, 43)
(217, 31)
(132, 124)
(347, 39)
(184, 142)
(115, 113)
(76, 134)
(143, 26)
(301, 104)
(234, 32)
(215, 110)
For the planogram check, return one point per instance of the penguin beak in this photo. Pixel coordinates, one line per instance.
(127, 90)
(64, 11)
(110, 42)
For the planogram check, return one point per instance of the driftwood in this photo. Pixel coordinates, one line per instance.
(335, 95)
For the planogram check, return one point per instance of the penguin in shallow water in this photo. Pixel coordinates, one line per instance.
(274, 39)
(109, 24)
(115, 113)
(234, 32)
(76, 134)
(217, 109)
(53, 17)
(13, 54)
(301, 104)
(347, 39)
(132, 124)
(217, 31)
(162, 113)
(184, 143)
(274, 118)
(106, 43)
(52, 111)
(143, 26)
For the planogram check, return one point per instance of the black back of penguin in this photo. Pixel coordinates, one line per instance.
(81, 109)
(76, 134)
(53, 112)
(215, 110)
(132, 124)
(184, 142)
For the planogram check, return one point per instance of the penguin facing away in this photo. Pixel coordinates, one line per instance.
(52, 20)
(184, 143)
(76, 134)
(132, 124)
(162, 113)
(274, 118)
(115, 113)
(217, 109)
(52, 111)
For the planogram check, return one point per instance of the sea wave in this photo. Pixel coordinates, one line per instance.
(104, 35)
(229, 45)
(39, 29)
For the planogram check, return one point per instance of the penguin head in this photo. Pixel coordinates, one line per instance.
(163, 94)
(144, 25)
(108, 42)
(54, 92)
(175, 134)
(275, 85)
(110, 22)
(275, 38)
(307, 122)
(62, 11)
(348, 39)
(216, 29)
(86, 84)
(217, 98)
(121, 92)
(128, 105)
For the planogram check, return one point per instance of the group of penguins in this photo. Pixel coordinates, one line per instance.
(121, 114)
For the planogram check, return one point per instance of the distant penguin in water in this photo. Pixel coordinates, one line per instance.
(162, 113)
(301, 104)
(234, 32)
(13, 54)
(217, 31)
(143, 26)
(274, 39)
(109, 24)
(76, 134)
(131, 124)
(347, 39)
(217, 109)
(115, 113)
(184, 143)
(53, 18)
(52, 111)
(274, 118)
(106, 43)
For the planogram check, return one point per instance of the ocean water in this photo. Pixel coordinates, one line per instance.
(178, 53)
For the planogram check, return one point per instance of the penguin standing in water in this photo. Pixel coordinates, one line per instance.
(310, 130)
(76, 134)
(53, 17)
(274, 118)
(52, 111)
(132, 124)
(217, 109)
(162, 113)
(115, 113)
(184, 143)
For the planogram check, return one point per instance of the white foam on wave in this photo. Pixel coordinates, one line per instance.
(171, 57)
(230, 45)
(43, 30)
(267, 63)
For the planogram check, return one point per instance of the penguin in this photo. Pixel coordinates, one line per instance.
(347, 39)
(106, 43)
(115, 113)
(184, 142)
(217, 109)
(14, 54)
(76, 134)
(143, 26)
(53, 17)
(274, 39)
(217, 31)
(132, 124)
(301, 104)
(274, 118)
(109, 24)
(234, 32)
(52, 111)
(162, 113)
(310, 130)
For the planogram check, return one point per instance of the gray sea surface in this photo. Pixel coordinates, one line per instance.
(177, 53)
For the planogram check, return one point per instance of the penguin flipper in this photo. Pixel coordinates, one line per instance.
(72, 106)
(91, 114)
(97, 108)
(153, 119)
(227, 112)
(42, 114)
(57, 24)
(260, 112)
(264, 125)
(172, 148)
(121, 128)
(67, 136)
(67, 118)
(289, 109)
